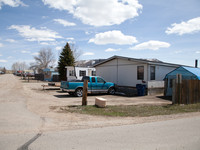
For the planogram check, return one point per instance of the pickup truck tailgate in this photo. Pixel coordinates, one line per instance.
(64, 84)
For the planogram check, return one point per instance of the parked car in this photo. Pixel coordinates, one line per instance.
(96, 84)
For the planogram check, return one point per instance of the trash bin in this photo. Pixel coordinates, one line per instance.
(141, 89)
(139, 86)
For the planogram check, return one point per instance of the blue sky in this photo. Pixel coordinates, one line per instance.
(168, 30)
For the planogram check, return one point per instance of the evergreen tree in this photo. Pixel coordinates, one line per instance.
(66, 59)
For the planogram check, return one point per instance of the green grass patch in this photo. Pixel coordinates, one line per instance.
(132, 111)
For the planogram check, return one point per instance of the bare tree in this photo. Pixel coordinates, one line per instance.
(44, 60)
(19, 66)
(76, 53)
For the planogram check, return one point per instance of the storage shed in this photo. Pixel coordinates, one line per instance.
(50, 74)
(188, 73)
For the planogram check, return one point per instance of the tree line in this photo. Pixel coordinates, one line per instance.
(46, 59)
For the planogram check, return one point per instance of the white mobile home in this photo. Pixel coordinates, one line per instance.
(78, 72)
(126, 71)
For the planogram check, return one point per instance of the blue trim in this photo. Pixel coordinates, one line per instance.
(187, 72)
(194, 71)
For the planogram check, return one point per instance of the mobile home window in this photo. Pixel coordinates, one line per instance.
(152, 72)
(140, 72)
(93, 73)
(82, 73)
(71, 72)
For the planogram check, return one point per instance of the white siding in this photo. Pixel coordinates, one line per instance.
(109, 73)
(122, 72)
(127, 75)
(88, 72)
(161, 72)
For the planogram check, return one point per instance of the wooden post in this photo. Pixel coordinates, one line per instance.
(174, 91)
(165, 86)
(179, 89)
(85, 89)
(198, 91)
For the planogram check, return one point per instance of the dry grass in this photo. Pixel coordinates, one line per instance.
(132, 111)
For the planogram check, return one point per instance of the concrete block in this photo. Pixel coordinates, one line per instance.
(155, 91)
(100, 102)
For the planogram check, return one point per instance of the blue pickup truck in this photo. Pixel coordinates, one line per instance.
(96, 84)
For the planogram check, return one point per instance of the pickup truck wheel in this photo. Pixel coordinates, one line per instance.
(111, 91)
(79, 92)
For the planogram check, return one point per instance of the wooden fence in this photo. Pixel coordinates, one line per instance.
(186, 91)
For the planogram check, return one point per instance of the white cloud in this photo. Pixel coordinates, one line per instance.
(71, 42)
(111, 50)
(62, 42)
(1, 45)
(189, 27)
(151, 45)
(88, 54)
(113, 37)
(70, 38)
(57, 42)
(35, 54)
(58, 48)
(25, 52)
(10, 57)
(44, 43)
(3, 61)
(61, 4)
(12, 3)
(178, 52)
(0, 55)
(98, 12)
(197, 52)
(33, 34)
(87, 32)
(10, 40)
(64, 22)
(45, 17)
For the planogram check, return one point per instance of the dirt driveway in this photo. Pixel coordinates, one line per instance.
(25, 107)
(57, 95)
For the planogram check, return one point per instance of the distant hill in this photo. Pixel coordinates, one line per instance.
(88, 63)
